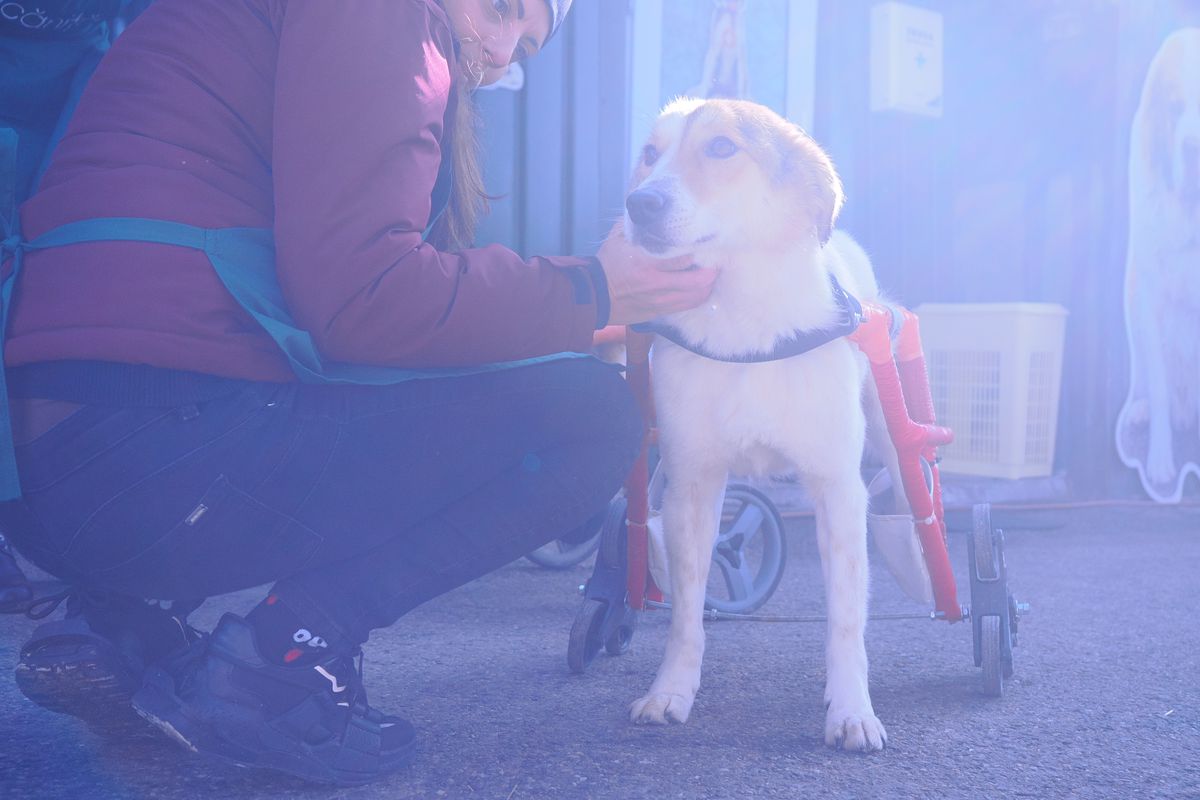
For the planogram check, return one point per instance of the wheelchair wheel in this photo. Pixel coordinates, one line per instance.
(749, 555)
(604, 620)
(992, 659)
(620, 638)
(994, 612)
(564, 555)
(585, 640)
(750, 552)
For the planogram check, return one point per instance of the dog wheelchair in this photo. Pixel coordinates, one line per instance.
(748, 557)
(914, 546)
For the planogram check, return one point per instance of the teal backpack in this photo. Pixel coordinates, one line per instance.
(48, 49)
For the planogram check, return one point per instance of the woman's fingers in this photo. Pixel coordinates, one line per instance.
(677, 264)
(642, 287)
(651, 293)
(690, 289)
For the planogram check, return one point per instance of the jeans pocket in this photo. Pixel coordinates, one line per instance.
(228, 541)
(80, 439)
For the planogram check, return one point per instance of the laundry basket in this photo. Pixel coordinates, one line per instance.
(995, 370)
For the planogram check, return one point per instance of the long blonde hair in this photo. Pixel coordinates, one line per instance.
(468, 195)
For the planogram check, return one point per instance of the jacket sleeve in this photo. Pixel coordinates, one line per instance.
(360, 102)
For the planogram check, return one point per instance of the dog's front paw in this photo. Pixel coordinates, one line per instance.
(661, 708)
(1160, 461)
(858, 730)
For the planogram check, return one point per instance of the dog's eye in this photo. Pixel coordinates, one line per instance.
(721, 147)
(649, 155)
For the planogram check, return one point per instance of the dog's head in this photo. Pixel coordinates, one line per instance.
(1170, 117)
(729, 175)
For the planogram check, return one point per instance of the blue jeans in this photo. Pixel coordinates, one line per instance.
(361, 503)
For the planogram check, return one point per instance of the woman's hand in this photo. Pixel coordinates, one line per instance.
(641, 287)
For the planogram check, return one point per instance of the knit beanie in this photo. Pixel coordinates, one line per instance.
(558, 12)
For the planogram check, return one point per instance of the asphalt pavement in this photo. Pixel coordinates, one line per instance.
(1105, 701)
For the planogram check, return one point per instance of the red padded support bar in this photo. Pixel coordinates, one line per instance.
(912, 441)
(637, 486)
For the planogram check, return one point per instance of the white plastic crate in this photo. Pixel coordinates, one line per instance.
(995, 370)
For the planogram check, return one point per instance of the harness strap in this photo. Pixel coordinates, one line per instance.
(244, 260)
(797, 343)
(10, 484)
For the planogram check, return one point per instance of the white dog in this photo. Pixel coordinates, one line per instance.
(1158, 431)
(752, 195)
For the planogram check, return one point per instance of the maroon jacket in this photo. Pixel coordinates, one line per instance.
(323, 120)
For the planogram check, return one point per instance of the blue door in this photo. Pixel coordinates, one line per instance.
(555, 153)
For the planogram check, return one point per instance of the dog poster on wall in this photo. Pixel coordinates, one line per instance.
(726, 69)
(760, 50)
(713, 59)
(1158, 428)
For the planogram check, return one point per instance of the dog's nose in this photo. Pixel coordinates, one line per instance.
(647, 206)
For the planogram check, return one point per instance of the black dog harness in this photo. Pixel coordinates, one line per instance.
(850, 316)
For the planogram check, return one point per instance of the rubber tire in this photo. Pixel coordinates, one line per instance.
(551, 556)
(987, 566)
(620, 640)
(993, 667)
(611, 532)
(1012, 613)
(584, 643)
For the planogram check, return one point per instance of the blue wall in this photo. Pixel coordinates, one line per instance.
(555, 152)
(1007, 196)
(1015, 193)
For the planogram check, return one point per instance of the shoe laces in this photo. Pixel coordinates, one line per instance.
(79, 599)
(356, 692)
(74, 596)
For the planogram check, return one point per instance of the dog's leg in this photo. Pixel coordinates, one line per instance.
(841, 511)
(691, 520)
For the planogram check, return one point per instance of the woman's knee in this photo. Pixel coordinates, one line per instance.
(608, 410)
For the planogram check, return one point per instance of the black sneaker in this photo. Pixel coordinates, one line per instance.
(90, 663)
(220, 697)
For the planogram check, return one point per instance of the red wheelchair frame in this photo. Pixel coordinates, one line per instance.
(903, 384)
(622, 585)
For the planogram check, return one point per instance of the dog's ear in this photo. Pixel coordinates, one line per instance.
(804, 165)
